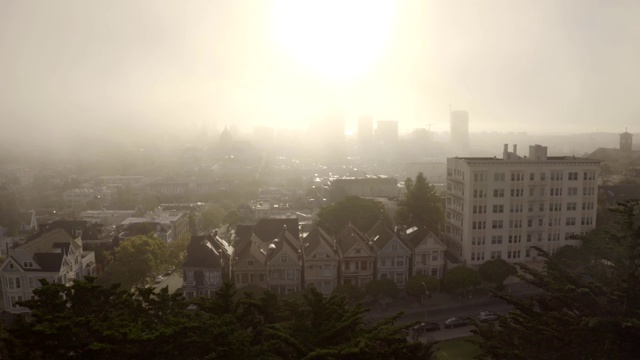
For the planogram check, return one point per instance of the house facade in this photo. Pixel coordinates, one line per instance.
(203, 268)
(357, 257)
(392, 254)
(54, 256)
(427, 252)
(284, 264)
(321, 261)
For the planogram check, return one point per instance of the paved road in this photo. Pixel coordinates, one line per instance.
(173, 281)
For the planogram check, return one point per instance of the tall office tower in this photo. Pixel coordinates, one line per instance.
(365, 129)
(386, 132)
(459, 132)
(500, 208)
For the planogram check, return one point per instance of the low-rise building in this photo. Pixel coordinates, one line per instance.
(392, 254)
(427, 252)
(321, 260)
(357, 256)
(203, 268)
(54, 256)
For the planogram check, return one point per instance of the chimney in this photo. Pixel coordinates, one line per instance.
(505, 152)
(515, 149)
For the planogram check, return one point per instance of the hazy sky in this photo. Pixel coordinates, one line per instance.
(106, 66)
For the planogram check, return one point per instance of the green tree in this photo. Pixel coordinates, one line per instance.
(135, 259)
(421, 205)
(418, 285)
(497, 271)
(385, 288)
(461, 278)
(584, 312)
(362, 213)
(352, 292)
(212, 217)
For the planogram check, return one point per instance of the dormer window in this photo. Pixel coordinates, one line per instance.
(10, 265)
(27, 264)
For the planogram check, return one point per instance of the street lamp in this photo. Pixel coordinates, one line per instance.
(426, 295)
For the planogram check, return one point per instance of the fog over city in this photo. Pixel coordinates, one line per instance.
(116, 71)
(321, 179)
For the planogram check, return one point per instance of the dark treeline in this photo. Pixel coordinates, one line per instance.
(91, 321)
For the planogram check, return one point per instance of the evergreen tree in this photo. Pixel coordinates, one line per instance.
(584, 312)
(421, 205)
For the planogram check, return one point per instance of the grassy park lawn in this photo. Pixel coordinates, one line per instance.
(456, 349)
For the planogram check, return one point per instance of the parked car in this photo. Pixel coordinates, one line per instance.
(455, 322)
(159, 279)
(487, 316)
(427, 327)
(169, 270)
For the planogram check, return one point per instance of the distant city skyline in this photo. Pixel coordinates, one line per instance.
(105, 70)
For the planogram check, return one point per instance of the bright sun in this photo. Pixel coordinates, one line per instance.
(337, 39)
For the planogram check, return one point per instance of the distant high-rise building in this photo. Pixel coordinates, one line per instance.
(365, 129)
(626, 141)
(459, 135)
(386, 132)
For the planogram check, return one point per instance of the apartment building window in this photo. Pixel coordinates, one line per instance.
(568, 235)
(540, 222)
(530, 223)
(589, 175)
(498, 177)
(588, 191)
(515, 224)
(556, 175)
(496, 224)
(498, 209)
(478, 177)
(528, 237)
(532, 176)
(530, 207)
(517, 176)
(542, 192)
(570, 221)
(543, 176)
(541, 207)
(496, 255)
(496, 239)
(573, 176)
(572, 191)
(517, 192)
(515, 208)
(571, 206)
(498, 193)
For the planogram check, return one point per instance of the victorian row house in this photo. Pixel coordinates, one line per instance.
(206, 265)
(273, 255)
(54, 256)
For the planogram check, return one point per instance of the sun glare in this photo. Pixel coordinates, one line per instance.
(336, 40)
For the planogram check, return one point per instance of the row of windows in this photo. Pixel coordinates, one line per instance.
(542, 176)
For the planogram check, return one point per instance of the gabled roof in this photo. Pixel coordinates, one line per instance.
(202, 254)
(283, 241)
(380, 234)
(50, 262)
(268, 229)
(416, 235)
(349, 237)
(315, 238)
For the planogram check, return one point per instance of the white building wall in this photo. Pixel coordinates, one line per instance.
(501, 208)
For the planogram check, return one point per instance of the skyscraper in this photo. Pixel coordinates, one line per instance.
(365, 129)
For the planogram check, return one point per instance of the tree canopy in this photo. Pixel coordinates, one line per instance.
(420, 206)
(362, 213)
(135, 259)
(415, 287)
(497, 271)
(582, 312)
(89, 321)
(461, 278)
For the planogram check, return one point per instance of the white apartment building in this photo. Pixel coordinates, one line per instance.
(500, 208)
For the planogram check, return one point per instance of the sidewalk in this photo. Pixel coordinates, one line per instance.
(440, 301)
